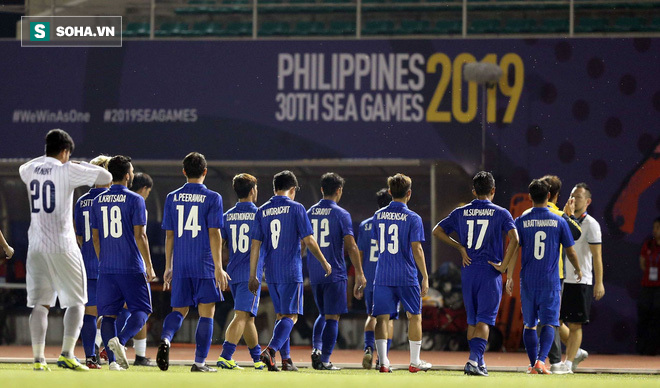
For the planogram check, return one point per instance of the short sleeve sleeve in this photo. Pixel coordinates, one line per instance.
(521, 236)
(346, 224)
(139, 216)
(168, 222)
(302, 222)
(566, 236)
(594, 236)
(214, 216)
(79, 219)
(508, 223)
(417, 229)
(83, 174)
(363, 240)
(448, 224)
(223, 231)
(257, 233)
(93, 223)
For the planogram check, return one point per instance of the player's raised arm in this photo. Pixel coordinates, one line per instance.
(441, 235)
(356, 260)
(142, 241)
(420, 261)
(316, 251)
(215, 240)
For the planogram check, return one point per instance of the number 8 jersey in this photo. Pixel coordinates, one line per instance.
(541, 232)
(237, 231)
(190, 212)
(396, 227)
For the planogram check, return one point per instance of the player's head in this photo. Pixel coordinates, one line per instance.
(656, 229)
(538, 191)
(555, 186)
(483, 184)
(332, 185)
(121, 169)
(58, 141)
(194, 165)
(383, 197)
(101, 161)
(142, 184)
(286, 181)
(245, 186)
(399, 186)
(581, 193)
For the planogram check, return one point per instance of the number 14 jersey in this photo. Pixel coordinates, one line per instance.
(190, 212)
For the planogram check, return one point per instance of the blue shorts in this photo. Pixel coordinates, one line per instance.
(369, 299)
(330, 298)
(387, 298)
(287, 297)
(112, 290)
(482, 292)
(244, 299)
(91, 292)
(540, 307)
(193, 291)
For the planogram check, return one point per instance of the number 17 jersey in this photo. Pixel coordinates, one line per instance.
(190, 212)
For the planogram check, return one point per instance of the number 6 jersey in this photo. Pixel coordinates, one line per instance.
(190, 212)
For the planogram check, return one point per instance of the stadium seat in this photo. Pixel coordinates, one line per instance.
(653, 26)
(587, 24)
(519, 26)
(486, 26)
(378, 27)
(309, 28)
(414, 27)
(168, 29)
(136, 30)
(207, 29)
(628, 24)
(341, 28)
(553, 26)
(274, 29)
(448, 27)
(239, 29)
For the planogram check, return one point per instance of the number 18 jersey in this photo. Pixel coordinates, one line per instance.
(396, 227)
(237, 230)
(190, 212)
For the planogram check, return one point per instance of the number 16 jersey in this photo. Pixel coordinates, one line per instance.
(237, 230)
(190, 212)
(396, 227)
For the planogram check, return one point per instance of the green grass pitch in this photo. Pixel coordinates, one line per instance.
(22, 376)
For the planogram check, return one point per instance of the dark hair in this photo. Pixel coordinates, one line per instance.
(331, 182)
(538, 190)
(383, 197)
(119, 166)
(483, 183)
(57, 141)
(141, 180)
(399, 185)
(194, 165)
(243, 184)
(586, 188)
(555, 184)
(284, 180)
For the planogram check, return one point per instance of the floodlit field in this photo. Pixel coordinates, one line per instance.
(21, 375)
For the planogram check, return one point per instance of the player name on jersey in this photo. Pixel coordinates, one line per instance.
(478, 212)
(187, 197)
(112, 198)
(274, 211)
(392, 216)
(320, 211)
(540, 223)
(86, 202)
(240, 216)
(43, 170)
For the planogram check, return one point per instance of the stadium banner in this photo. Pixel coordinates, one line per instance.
(585, 109)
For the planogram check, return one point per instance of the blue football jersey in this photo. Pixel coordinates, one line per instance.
(115, 213)
(369, 248)
(480, 225)
(82, 216)
(190, 212)
(396, 227)
(540, 233)
(281, 224)
(238, 227)
(331, 224)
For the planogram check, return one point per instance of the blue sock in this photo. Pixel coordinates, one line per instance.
(389, 345)
(531, 345)
(203, 337)
(477, 349)
(545, 342)
(133, 326)
(369, 340)
(108, 332)
(281, 333)
(171, 325)
(228, 350)
(329, 339)
(122, 317)
(255, 352)
(88, 335)
(317, 332)
(285, 350)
